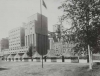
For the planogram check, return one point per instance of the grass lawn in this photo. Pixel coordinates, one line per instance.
(50, 69)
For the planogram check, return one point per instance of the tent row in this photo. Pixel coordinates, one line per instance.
(50, 53)
(49, 57)
(24, 56)
(53, 53)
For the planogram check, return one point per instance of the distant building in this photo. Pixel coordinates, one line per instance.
(58, 46)
(16, 38)
(37, 34)
(32, 33)
(61, 49)
(16, 43)
(4, 43)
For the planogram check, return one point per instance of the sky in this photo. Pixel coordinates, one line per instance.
(13, 13)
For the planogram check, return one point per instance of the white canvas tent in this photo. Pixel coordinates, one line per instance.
(25, 56)
(17, 56)
(36, 54)
(10, 56)
(52, 53)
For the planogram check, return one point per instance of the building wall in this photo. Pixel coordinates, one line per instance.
(57, 46)
(41, 29)
(22, 35)
(51, 41)
(42, 44)
(41, 34)
(36, 34)
(0, 46)
(20, 50)
(4, 44)
(61, 48)
(30, 33)
(16, 38)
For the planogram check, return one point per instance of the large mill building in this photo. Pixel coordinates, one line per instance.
(31, 33)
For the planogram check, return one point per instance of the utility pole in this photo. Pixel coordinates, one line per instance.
(41, 28)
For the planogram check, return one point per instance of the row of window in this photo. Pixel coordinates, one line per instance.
(14, 37)
(14, 44)
(28, 28)
(14, 41)
(15, 30)
(61, 51)
(15, 52)
(16, 34)
(66, 46)
(17, 48)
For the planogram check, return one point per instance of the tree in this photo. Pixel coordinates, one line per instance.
(30, 52)
(85, 16)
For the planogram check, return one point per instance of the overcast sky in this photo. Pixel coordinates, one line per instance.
(14, 12)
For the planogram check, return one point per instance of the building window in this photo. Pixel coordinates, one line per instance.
(26, 40)
(33, 38)
(30, 38)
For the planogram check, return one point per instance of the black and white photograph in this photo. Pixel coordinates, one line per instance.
(49, 37)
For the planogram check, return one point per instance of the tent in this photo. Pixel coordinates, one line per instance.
(36, 54)
(52, 53)
(67, 55)
(5, 56)
(10, 56)
(25, 56)
(17, 56)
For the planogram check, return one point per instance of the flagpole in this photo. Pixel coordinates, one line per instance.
(41, 28)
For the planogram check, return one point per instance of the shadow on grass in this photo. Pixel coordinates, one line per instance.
(36, 74)
(1, 69)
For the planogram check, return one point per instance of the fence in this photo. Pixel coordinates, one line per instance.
(52, 59)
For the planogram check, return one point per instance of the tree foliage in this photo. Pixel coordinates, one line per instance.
(30, 53)
(85, 16)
